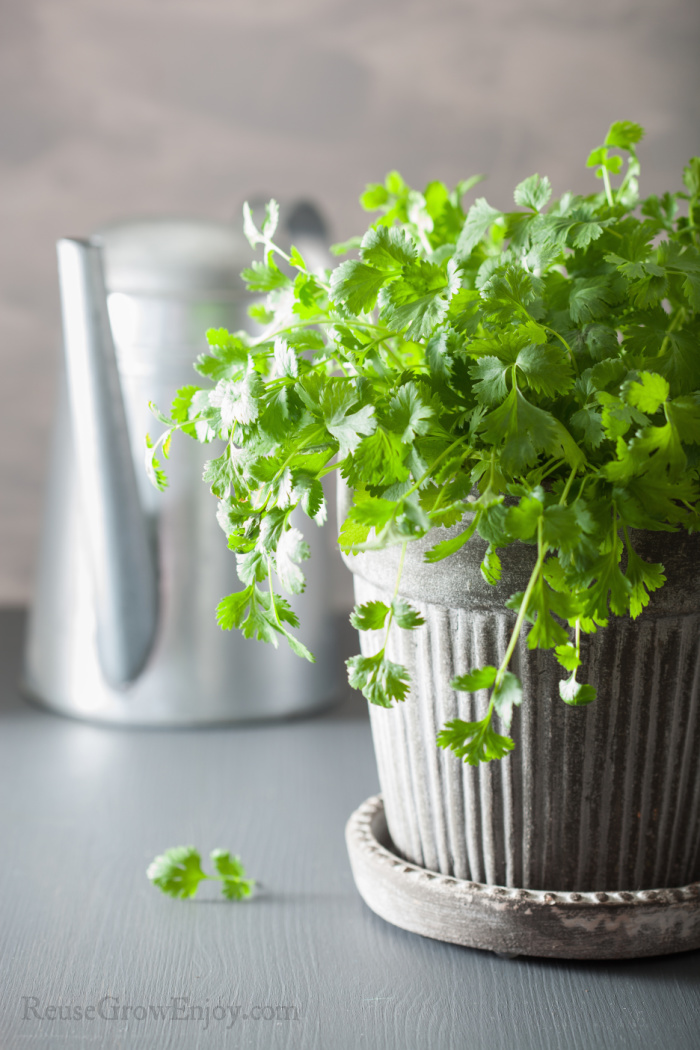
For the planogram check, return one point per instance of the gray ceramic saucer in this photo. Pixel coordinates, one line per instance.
(603, 925)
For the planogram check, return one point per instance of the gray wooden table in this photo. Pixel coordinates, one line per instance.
(305, 964)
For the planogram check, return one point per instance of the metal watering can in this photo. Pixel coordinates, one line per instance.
(122, 628)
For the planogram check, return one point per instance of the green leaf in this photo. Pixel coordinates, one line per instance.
(291, 550)
(608, 585)
(644, 578)
(416, 301)
(369, 617)
(374, 196)
(408, 415)
(349, 429)
(480, 217)
(182, 407)
(405, 616)
(388, 248)
(155, 474)
(250, 610)
(522, 520)
(490, 377)
(654, 449)
(647, 393)
(309, 491)
(298, 648)
(356, 285)
(438, 357)
(691, 176)
(366, 513)
(588, 422)
(478, 678)
(507, 694)
(617, 416)
(576, 694)
(491, 566)
(228, 355)
(533, 192)
(545, 604)
(264, 276)
(343, 247)
(379, 460)
(577, 229)
(260, 313)
(353, 535)
(512, 286)
(272, 215)
(522, 431)
(567, 656)
(286, 362)
(238, 399)
(235, 886)
(546, 369)
(683, 414)
(589, 299)
(379, 680)
(624, 134)
(252, 234)
(447, 547)
(251, 566)
(177, 872)
(474, 742)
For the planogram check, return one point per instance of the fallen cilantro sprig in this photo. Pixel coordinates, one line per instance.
(531, 374)
(178, 872)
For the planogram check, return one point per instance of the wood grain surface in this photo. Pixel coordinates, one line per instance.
(84, 809)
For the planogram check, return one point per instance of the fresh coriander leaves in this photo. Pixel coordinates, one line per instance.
(531, 375)
(178, 872)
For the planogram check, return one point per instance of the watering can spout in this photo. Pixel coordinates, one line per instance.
(117, 534)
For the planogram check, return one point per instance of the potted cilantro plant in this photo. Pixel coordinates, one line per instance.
(512, 401)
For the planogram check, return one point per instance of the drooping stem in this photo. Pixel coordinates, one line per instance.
(522, 612)
(395, 595)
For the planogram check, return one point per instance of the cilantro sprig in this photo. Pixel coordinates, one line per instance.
(532, 375)
(178, 872)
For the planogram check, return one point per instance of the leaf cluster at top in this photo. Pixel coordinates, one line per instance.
(532, 373)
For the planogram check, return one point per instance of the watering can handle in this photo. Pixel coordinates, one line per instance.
(120, 551)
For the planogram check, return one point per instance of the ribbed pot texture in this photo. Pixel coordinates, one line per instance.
(604, 797)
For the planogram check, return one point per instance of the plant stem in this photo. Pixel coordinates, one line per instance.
(608, 188)
(675, 324)
(568, 485)
(425, 243)
(569, 351)
(542, 550)
(549, 467)
(395, 595)
(431, 469)
(272, 595)
(267, 336)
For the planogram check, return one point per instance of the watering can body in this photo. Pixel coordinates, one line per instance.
(122, 628)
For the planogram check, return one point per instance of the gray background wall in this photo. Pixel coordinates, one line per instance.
(113, 108)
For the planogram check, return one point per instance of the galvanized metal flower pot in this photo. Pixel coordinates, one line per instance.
(597, 808)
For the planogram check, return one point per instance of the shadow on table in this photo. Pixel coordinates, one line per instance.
(681, 968)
